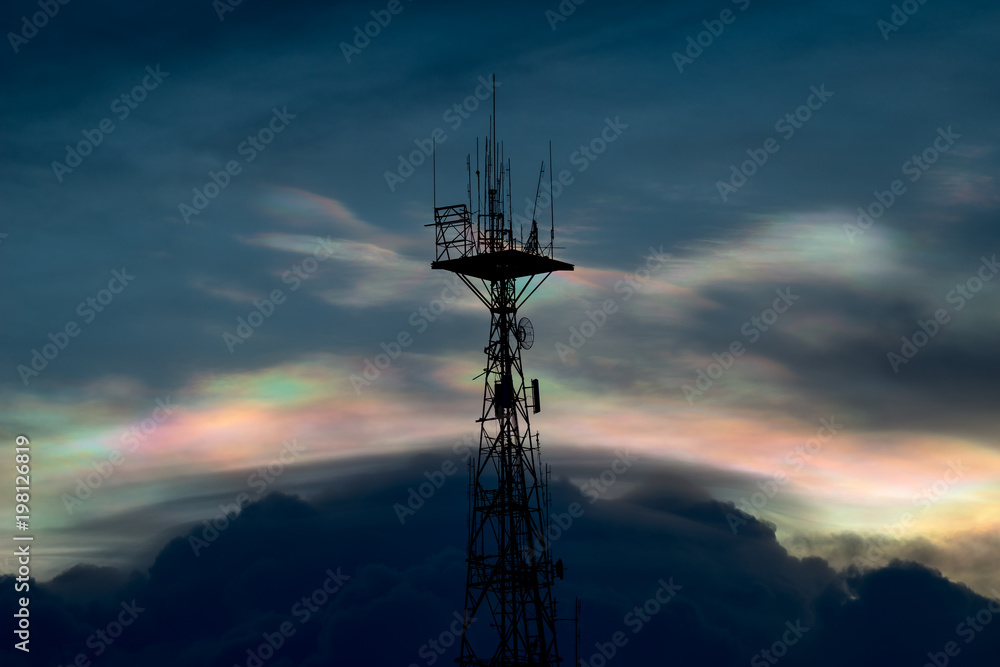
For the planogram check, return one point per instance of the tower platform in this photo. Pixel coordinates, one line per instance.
(502, 264)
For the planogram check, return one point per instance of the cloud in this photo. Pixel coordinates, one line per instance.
(739, 592)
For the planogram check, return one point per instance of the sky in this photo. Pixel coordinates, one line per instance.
(218, 294)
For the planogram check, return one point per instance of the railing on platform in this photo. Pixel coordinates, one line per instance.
(453, 232)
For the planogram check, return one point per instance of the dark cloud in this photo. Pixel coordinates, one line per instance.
(969, 562)
(737, 592)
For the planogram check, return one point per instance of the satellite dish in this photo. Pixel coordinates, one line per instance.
(525, 334)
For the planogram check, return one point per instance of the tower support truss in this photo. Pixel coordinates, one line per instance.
(511, 572)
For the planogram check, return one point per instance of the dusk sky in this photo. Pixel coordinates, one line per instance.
(783, 315)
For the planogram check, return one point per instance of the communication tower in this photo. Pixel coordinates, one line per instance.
(510, 567)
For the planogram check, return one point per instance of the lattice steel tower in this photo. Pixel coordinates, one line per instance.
(510, 566)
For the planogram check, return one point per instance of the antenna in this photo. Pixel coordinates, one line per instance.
(532, 245)
(479, 196)
(538, 190)
(493, 116)
(552, 206)
(510, 205)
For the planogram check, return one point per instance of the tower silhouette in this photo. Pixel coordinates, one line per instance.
(510, 567)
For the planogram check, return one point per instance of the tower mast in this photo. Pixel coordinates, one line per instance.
(510, 568)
